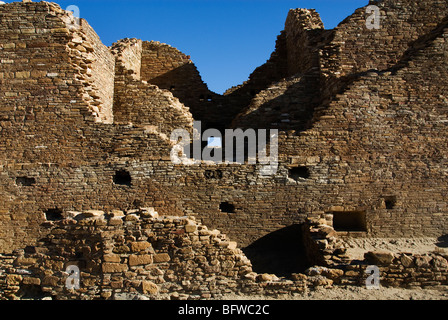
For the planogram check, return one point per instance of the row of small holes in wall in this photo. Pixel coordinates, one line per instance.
(202, 98)
(121, 177)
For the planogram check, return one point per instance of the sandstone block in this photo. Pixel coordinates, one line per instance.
(232, 245)
(23, 75)
(22, 261)
(423, 261)
(31, 281)
(380, 257)
(149, 287)
(116, 221)
(114, 267)
(112, 258)
(116, 213)
(140, 246)
(13, 279)
(162, 257)
(51, 281)
(137, 260)
(93, 213)
(190, 228)
(406, 261)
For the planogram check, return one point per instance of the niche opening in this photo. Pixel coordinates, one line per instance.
(350, 221)
(227, 207)
(390, 202)
(54, 215)
(123, 178)
(299, 173)
(25, 181)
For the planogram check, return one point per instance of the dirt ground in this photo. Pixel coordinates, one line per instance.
(359, 246)
(358, 293)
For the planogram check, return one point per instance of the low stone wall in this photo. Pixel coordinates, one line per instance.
(137, 254)
(398, 270)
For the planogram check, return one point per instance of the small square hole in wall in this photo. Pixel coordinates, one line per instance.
(297, 173)
(122, 178)
(227, 207)
(25, 181)
(54, 215)
(390, 202)
(349, 221)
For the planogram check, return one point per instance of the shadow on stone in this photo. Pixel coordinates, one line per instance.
(281, 252)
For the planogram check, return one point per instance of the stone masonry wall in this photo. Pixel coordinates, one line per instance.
(100, 69)
(170, 69)
(135, 254)
(50, 115)
(300, 26)
(138, 102)
(376, 148)
(333, 266)
(139, 255)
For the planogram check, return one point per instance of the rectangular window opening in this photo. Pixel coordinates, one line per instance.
(350, 221)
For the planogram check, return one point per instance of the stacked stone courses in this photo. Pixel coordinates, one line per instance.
(362, 118)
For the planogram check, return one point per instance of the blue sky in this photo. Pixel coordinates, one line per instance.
(226, 40)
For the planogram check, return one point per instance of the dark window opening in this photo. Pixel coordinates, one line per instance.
(281, 252)
(31, 292)
(227, 207)
(299, 173)
(209, 98)
(122, 178)
(26, 181)
(54, 215)
(349, 221)
(390, 202)
(201, 98)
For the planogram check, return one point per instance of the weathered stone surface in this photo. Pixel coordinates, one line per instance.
(161, 257)
(88, 126)
(114, 267)
(380, 257)
(140, 246)
(135, 260)
(149, 287)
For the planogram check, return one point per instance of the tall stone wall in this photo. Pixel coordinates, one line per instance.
(355, 48)
(170, 69)
(375, 149)
(301, 26)
(100, 69)
(288, 102)
(137, 102)
(51, 115)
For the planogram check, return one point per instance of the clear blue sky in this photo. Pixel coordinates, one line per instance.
(226, 40)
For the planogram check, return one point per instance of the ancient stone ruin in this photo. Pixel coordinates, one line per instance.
(87, 180)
